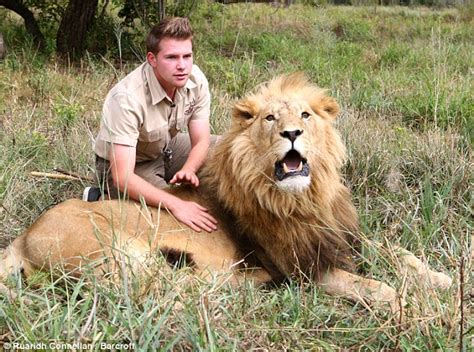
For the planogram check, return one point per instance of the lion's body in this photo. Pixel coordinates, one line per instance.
(76, 233)
(272, 181)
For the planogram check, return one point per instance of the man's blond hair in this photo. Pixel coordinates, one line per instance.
(170, 27)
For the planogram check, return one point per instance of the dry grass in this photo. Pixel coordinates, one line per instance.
(406, 110)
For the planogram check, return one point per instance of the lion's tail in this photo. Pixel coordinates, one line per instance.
(11, 260)
(11, 263)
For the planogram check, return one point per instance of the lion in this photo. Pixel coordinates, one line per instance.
(274, 183)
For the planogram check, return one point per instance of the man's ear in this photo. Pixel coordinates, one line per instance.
(245, 111)
(151, 59)
(325, 106)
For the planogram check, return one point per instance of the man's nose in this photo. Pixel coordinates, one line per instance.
(180, 64)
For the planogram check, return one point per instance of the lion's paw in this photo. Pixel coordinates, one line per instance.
(386, 296)
(439, 280)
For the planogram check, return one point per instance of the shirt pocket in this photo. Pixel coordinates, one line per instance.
(181, 122)
(151, 143)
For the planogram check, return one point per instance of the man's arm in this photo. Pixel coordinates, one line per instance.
(122, 161)
(199, 132)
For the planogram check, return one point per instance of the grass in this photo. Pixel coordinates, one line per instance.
(403, 77)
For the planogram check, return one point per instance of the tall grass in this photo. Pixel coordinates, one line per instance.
(403, 77)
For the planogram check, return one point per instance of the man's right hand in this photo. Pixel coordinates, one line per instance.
(122, 163)
(193, 215)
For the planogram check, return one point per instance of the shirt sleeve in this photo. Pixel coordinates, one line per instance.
(122, 118)
(203, 101)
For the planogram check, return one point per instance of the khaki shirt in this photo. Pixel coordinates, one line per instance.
(137, 112)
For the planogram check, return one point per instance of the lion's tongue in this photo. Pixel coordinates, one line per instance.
(292, 162)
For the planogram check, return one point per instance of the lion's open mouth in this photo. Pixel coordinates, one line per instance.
(291, 165)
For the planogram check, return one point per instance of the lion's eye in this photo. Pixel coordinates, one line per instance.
(305, 115)
(270, 118)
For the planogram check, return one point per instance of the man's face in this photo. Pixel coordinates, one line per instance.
(173, 63)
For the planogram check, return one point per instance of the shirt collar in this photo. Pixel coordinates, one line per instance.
(157, 91)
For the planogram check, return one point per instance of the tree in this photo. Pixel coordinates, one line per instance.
(72, 32)
(148, 11)
(75, 22)
(76, 18)
(31, 24)
(161, 9)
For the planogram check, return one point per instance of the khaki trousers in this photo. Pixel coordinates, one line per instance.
(158, 172)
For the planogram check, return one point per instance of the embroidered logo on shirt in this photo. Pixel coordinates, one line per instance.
(189, 108)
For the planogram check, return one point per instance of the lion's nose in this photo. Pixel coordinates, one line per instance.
(291, 135)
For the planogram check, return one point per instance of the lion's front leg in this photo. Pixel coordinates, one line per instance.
(370, 292)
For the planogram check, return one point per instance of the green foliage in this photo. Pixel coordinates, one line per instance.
(394, 54)
(67, 114)
(102, 38)
(147, 10)
(354, 30)
(371, 54)
(33, 144)
(48, 15)
(39, 83)
(403, 79)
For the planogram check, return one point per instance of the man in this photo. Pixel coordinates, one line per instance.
(141, 145)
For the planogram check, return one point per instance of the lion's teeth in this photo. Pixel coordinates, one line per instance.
(286, 169)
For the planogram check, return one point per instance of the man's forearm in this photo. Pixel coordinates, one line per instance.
(188, 212)
(136, 187)
(197, 155)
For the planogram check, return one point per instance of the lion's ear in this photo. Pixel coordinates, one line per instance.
(331, 106)
(326, 107)
(245, 110)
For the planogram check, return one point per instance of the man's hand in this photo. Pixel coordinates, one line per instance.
(193, 215)
(186, 176)
(199, 133)
(190, 213)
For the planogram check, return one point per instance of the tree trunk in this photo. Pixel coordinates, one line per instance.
(72, 32)
(2, 47)
(30, 21)
(161, 9)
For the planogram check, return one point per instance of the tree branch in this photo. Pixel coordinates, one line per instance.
(30, 22)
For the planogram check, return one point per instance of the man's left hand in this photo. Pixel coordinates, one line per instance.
(185, 176)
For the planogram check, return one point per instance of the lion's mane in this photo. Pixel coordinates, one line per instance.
(307, 232)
